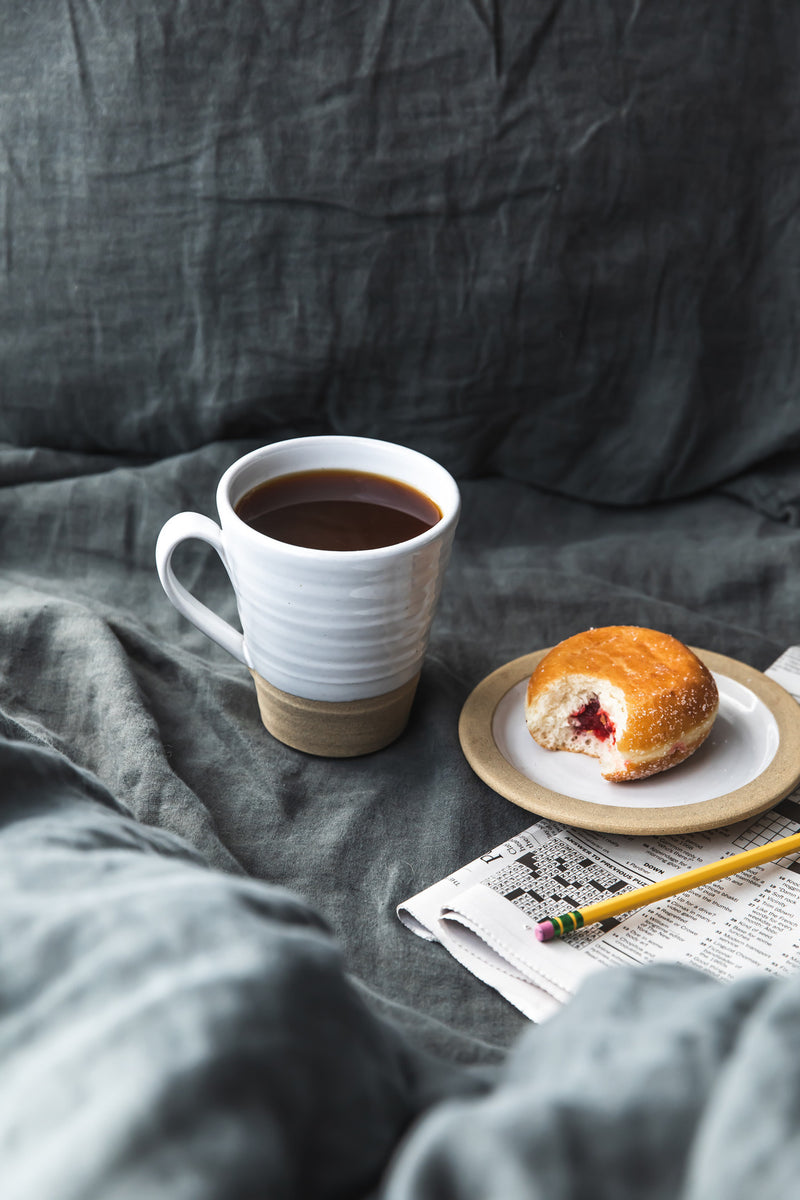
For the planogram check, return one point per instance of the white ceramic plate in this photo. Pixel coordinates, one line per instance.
(750, 760)
(742, 743)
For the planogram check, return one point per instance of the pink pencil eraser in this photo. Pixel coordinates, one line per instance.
(545, 931)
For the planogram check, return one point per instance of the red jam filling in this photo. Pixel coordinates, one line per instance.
(593, 719)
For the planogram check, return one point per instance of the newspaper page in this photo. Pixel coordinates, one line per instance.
(484, 914)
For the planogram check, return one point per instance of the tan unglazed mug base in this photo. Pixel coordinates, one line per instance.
(335, 728)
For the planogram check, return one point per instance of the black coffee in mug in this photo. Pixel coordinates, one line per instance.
(338, 510)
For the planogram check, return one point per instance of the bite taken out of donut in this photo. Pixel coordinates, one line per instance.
(636, 699)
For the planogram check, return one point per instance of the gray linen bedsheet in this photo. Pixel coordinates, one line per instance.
(206, 991)
(556, 247)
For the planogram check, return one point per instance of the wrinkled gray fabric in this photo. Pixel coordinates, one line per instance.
(653, 1083)
(98, 664)
(170, 1031)
(552, 245)
(531, 238)
(99, 669)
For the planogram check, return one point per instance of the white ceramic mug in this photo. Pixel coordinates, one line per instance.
(334, 639)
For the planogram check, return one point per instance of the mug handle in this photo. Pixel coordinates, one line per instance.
(178, 529)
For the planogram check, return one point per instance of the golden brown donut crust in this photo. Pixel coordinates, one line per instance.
(668, 690)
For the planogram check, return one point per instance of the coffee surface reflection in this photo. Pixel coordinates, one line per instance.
(338, 510)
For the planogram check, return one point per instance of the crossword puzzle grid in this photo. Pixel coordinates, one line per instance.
(780, 821)
(553, 880)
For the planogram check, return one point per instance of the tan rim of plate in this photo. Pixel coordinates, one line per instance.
(776, 781)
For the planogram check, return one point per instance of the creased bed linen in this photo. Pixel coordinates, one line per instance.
(556, 247)
(173, 1031)
(168, 1030)
(198, 922)
(499, 232)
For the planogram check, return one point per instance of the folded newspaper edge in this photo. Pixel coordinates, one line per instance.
(484, 913)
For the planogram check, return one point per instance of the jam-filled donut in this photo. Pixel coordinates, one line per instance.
(636, 699)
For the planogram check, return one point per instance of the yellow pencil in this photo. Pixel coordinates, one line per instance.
(556, 927)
